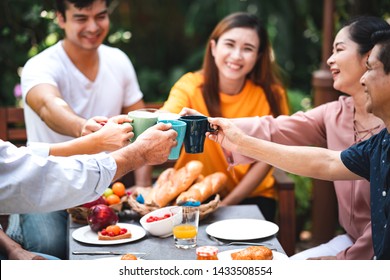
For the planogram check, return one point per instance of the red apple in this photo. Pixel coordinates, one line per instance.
(100, 200)
(101, 216)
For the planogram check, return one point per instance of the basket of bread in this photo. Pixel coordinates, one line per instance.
(181, 186)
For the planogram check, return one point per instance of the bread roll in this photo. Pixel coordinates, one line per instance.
(253, 253)
(177, 182)
(129, 257)
(203, 189)
(165, 176)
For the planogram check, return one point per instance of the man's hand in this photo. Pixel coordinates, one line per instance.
(115, 133)
(189, 112)
(93, 124)
(156, 143)
(21, 254)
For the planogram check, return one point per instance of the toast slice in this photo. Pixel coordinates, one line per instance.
(115, 237)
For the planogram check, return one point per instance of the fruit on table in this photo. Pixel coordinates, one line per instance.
(107, 192)
(113, 230)
(113, 199)
(119, 189)
(184, 231)
(101, 216)
(156, 218)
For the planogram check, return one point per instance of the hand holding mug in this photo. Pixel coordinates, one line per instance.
(229, 136)
(156, 143)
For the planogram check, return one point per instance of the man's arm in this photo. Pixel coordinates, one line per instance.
(13, 250)
(115, 134)
(54, 183)
(138, 105)
(47, 102)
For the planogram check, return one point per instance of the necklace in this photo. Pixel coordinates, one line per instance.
(361, 135)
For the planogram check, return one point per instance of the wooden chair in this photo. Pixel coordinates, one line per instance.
(12, 129)
(286, 211)
(12, 126)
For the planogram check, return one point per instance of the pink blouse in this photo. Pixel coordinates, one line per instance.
(329, 125)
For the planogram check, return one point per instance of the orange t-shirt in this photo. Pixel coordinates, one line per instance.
(251, 101)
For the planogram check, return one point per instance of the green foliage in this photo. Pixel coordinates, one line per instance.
(25, 29)
(298, 100)
(303, 189)
(165, 39)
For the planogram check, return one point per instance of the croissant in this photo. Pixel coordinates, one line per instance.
(253, 253)
(202, 190)
(175, 182)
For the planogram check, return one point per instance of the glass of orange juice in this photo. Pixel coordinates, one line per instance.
(185, 232)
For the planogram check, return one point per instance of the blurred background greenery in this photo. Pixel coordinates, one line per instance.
(166, 38)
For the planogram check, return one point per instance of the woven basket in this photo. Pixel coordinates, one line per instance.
(79, 214)
(143, 209)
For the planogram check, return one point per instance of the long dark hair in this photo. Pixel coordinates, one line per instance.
(361, 28)
(265, 73)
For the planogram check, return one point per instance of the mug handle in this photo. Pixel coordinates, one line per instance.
(210, 129)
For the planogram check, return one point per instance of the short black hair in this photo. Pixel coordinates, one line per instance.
(61, 5)
(382, 38)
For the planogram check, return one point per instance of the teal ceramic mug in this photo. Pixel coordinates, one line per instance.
(180, 128)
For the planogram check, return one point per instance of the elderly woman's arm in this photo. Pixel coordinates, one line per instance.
(312, 162)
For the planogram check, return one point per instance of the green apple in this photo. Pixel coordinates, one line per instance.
(108, 192)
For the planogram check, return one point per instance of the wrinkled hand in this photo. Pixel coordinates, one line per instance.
(93, 124)
(228, 136)
(156, 143)
(324, 258)
(115, 134)
(189, 112)
(21, 254)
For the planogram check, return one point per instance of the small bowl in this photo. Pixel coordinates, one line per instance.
(162, 228)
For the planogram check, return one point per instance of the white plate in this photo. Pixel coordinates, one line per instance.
(242, 229)
(226, 255)
(87, 235)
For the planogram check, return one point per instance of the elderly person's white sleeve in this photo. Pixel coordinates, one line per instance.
(32, 183)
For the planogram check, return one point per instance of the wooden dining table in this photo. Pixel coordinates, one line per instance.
(163, 248)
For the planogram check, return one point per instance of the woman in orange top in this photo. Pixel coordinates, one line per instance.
(239, 78)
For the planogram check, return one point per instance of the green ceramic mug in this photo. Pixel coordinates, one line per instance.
(142, 120)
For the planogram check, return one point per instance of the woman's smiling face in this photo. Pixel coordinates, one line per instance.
(346, 64)
(235, 53)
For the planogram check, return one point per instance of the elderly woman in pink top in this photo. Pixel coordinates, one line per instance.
(337, 124)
